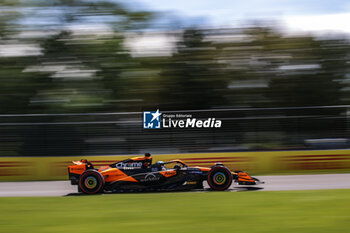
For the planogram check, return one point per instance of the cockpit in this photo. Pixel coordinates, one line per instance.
(173, 164)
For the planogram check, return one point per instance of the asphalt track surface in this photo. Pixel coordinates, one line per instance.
(272, 183)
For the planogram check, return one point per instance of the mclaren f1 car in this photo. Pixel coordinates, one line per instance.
(139, 174)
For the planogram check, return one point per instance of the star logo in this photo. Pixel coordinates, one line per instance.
(156, 115)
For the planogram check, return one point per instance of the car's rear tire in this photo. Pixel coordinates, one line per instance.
(91, 182)
(219, 178)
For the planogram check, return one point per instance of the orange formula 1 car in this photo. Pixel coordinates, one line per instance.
(139, 174)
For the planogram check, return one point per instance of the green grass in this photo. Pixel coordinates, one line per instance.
(294, 211)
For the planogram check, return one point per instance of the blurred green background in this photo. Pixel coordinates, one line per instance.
(76, 75)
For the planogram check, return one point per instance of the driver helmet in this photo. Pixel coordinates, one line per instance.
(147, 160)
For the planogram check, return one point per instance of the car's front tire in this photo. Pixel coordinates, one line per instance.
(219, 178)
(91, 182)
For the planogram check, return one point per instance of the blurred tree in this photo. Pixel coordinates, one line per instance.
(193, 78)
(268, 69)
(250, 62)
(311, 74)
(77, 66)
(87, 63)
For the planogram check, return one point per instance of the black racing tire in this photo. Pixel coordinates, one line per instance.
(219, 178)
(91, 182)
